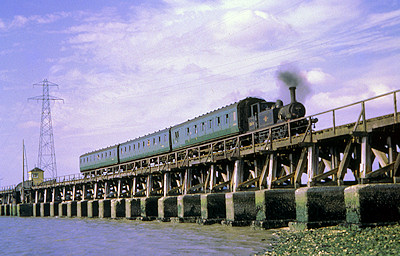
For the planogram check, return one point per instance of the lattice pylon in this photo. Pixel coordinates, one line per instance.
(46, 153)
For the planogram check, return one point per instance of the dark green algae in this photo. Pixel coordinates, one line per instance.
(338, 240)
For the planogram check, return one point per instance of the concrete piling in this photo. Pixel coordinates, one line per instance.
(44, 209)
(240, 208)
(372, 204)
(149, 207)
(117, 208)
(105, 208)
(93, 209)
(62, 209)
(82, 209)
(71, 209)
(36, 210)
(24, 210)
(167, 208)
(54, 209)
(213, 208)
(274, 208)
(319, 207)
(189, 208)
(132, 208)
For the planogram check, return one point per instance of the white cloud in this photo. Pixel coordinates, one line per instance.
(318, 77)
(19, 21)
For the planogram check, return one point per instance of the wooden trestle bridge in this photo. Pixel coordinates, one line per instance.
(348, 145)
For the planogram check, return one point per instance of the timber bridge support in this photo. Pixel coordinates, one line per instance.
(343, 168)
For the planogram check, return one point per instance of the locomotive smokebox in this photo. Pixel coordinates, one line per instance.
(292, 94)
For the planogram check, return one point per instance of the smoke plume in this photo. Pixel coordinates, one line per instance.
(290, 76)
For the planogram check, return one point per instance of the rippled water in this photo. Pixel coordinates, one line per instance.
(75, 236)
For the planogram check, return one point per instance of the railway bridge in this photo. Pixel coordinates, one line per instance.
(343, 168)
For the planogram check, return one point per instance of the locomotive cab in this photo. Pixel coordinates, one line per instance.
(256, 115)
(270, 113)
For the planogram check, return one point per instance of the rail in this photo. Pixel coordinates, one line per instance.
(116, 170)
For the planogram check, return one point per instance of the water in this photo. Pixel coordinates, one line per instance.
(76, 236)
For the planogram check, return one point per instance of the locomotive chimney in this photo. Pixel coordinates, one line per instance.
(292, 94)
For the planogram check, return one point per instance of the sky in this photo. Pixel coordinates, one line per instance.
(128, 68)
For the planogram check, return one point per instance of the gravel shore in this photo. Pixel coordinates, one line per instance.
(338, 240)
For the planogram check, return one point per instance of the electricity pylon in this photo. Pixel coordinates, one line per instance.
(47, 154)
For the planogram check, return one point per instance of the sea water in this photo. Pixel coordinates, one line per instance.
(84, 236)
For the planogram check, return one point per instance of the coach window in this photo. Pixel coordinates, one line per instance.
(195, 128)
(234, 116)
(154, 141)
(210, 123)
(159, 139)
(129, 147)
(227, 118)
(144, 144)
(138, 145)
(134, 146)
(203, 126)
(187, 131)
(218, 121)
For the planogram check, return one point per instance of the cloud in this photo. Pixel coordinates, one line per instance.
(20, 21)
(316, 76)
(252, 29)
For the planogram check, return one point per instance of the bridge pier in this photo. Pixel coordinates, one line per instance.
(274, 208)
(36, 210)
(149, 207)
(319, 207)
(132, 208)
(213, 208)
(62, 209)
(44, 209)
(104, 208)
(240, 208)
(167, 208)
(24, 210)
(71, 209)
(54, 208)
(93, 208)
(372, 204)
(118, 208)
(189, 208)
(82, 208)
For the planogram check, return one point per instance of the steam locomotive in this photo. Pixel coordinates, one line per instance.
(246, 115)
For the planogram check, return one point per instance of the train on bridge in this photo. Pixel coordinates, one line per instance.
(246, 115)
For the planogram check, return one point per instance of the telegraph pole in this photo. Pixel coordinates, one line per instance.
(46, 155)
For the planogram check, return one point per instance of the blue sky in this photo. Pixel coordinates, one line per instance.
(128, 68)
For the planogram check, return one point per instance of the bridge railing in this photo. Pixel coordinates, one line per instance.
(359, 111)
(7, 189)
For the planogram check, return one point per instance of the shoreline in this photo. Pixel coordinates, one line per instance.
(337, 240)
